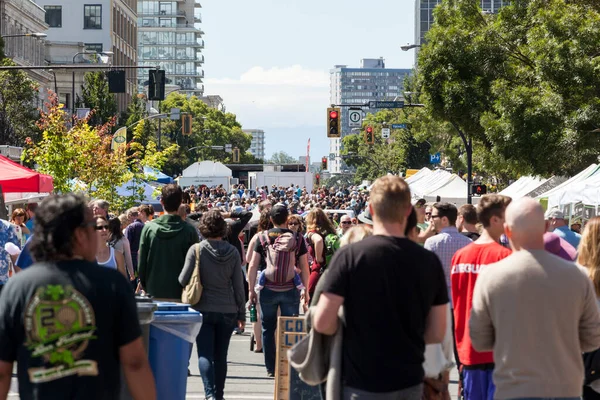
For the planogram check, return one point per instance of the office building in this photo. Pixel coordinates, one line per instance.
(19, 17)
(170, 37)
(102, 26)
(257, 146)
(214, 101)
(358, 86)
(424, 14)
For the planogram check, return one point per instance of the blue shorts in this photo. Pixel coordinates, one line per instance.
(478, 384)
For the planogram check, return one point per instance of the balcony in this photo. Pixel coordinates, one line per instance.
(200, 58)
(197, 4)
(163, 13)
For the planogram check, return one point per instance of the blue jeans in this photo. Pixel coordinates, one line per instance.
(213, 344)
(270, 301)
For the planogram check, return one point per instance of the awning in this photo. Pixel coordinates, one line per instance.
(15, 178)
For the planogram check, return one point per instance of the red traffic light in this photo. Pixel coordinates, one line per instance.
(318, 176)
(369, 129)
(324, 159)
(333, 114)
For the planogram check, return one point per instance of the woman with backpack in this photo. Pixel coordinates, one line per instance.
(264, 224)
(322, 242)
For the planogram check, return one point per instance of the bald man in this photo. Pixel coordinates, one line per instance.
(536, 311)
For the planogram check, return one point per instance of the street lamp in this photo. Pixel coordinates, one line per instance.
(106, 53)
(35, 35)
(55, 85)
(408, 47)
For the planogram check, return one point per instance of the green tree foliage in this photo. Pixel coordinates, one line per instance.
(402, 150)
(96, 97)
(281, 157)
(17, 110)
(79, 158)
(522, 83)
(210, 127)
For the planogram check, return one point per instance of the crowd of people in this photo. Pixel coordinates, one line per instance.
(503, 292)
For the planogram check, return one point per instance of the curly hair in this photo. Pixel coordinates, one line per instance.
(213, 225)
(317, 221)
(56, 220)
(298, 219)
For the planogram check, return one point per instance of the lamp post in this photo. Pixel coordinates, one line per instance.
(55, 85)
(408, 47)
(107, 53)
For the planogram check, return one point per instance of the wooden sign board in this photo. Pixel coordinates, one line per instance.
(288, 386)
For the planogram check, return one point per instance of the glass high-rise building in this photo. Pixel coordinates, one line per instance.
(357, 86)
(424, 14)
(169, 36)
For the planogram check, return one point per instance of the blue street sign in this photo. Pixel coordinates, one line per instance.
(435, 158)
(386, 104)
(398, 126)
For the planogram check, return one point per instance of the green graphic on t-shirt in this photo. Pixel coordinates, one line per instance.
(59, 323)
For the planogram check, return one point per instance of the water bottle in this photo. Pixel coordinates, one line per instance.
(253, 317)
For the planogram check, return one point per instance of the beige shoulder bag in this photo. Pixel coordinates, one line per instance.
(193, 291)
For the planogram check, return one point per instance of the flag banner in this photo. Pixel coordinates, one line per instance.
(119, 139)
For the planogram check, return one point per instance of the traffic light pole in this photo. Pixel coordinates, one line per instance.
(159, 126)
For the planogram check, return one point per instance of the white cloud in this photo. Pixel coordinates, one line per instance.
(296, 75)
(283, 101)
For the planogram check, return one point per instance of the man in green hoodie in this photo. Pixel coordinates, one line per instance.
(163, 246)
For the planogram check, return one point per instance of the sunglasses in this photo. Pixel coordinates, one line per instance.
(346, 222)
(293, 224)
(427, 213)
(101, 227)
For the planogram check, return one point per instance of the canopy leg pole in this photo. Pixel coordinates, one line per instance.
(3, 210)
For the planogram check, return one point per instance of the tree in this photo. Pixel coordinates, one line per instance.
(98, 99)
(79, 158)
(521, 84)
(17, 111)
(210, 127)
(281, 157)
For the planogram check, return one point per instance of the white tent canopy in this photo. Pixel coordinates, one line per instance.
(420, 174)
(585, 174)
(449, 187)
(206, 168)
(522, 186)
(586, 191)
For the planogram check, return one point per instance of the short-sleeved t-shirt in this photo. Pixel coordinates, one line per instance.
(273, 234)
(63, 323)
(389, 285)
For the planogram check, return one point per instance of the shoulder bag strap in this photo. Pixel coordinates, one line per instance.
(198, 262)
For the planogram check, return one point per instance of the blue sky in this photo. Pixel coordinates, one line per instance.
(270, 59)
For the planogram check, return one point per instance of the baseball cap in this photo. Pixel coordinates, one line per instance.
(365, 216)
(279, 210)
(554, 213)
(420, 202)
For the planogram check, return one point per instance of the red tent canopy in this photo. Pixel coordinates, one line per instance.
(15, 178)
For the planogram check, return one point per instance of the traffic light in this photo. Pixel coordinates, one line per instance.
(186, 124)
(318, 179)
(369, 137)
(334, 127)
(324, 163)
(236, 155)
(478, 190)
(156, 85)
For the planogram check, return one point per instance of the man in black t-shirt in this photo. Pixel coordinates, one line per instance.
(395, 301)
(285, 297)
(467, 221)
(67, 322)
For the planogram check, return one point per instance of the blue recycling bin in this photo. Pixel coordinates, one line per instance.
(174, 328)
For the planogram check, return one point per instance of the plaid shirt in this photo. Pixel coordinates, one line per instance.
(444, 245)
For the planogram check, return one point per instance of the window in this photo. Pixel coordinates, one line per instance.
(92, 16)
(97, 47)
(54, 16)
